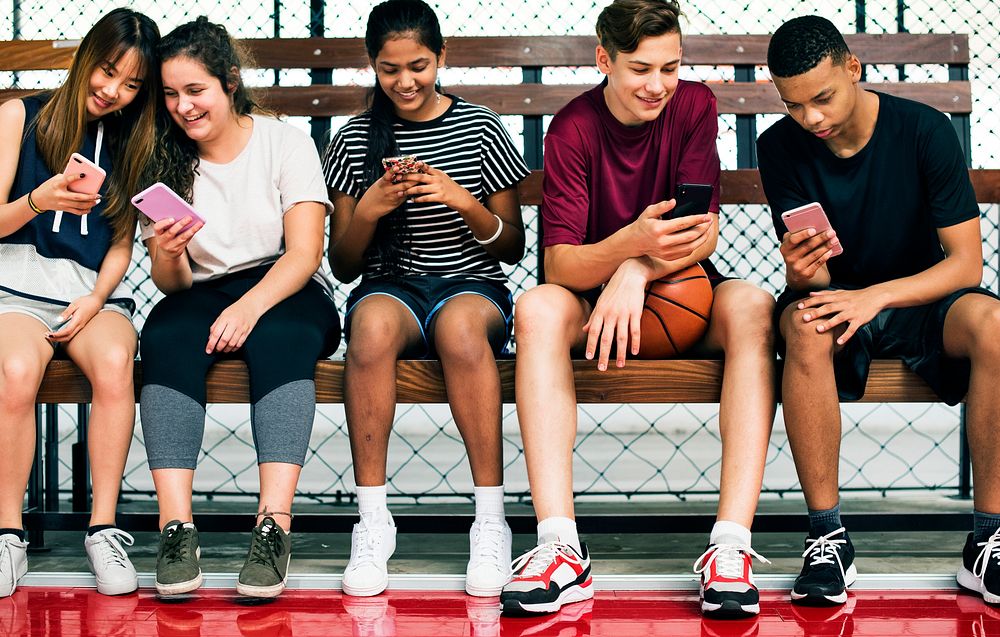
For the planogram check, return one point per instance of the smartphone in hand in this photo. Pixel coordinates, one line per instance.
(91, 176)
(160, 202)
(404, 164)
(692, 199)
(810, 215)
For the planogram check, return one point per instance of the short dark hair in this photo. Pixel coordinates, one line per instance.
(624, 23)
(802, 43)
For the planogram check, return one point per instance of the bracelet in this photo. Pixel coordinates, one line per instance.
(31, 204)
(272, 513)
(496, 235)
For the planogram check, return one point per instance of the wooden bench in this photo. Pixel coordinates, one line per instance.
(690, 381)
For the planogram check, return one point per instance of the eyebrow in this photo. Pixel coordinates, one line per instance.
(644, 63)
(817, 96)
(411, 62)
(114, 67)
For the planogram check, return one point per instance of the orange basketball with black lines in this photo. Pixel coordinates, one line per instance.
(675, 313)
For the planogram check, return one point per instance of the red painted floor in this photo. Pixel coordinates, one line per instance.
(82, 612)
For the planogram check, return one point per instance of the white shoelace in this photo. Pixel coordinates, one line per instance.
(991, 548)
(728, 559)
(110, 547)
(488, 541)
(539, 558)
(369, 540)
(824, 550)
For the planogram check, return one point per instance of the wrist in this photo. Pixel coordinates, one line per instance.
(35, 208)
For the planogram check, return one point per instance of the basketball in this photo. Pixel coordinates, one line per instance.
(675, 313)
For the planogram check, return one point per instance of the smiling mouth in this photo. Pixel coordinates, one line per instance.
(407, 94)
(103, 103)
(196, 118)
(650, 100)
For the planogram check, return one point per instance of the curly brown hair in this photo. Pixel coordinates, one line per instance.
(624, 23)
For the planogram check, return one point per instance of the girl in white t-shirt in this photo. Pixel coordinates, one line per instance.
(244, 284)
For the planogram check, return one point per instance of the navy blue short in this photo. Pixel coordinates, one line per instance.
(914, 335)
(424, 296)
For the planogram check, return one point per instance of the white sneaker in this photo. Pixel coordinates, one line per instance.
(109, 562)
(489, 557)
(372, 543)
(13, 563)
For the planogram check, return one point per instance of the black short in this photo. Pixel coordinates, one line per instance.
(424, 296)
(914, 335)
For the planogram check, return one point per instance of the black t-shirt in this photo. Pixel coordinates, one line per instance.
(886, 202)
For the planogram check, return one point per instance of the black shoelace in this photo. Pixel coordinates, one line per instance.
(265, 548)
(173, 545)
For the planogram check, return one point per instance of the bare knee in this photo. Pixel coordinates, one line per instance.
(547, 314)
(112, 371)
(20, 377)
(375, 340)
(744, 318)
(802, 341)
(986, 345)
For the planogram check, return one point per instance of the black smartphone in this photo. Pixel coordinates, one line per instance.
(692, 199)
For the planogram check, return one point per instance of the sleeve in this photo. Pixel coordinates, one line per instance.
(341, 175)
(782, 190)
(502, 164)
(565, 196)
(950, 196)
(300, 175)
(700, 155)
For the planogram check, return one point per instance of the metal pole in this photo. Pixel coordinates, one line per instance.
(746, 125)
(533, 138)
(319, 126)
(901, 28)
(861, 26)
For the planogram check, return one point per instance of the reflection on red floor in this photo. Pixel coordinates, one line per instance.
(80, 612)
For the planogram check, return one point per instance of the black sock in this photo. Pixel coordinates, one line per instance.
(98, 528)
(18, 532)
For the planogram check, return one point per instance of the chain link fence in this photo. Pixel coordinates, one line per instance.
(622, 451)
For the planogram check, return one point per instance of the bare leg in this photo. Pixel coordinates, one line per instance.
(105, 350)
(24, 353)
(970, 331)
(382, 330)
(277, 491)
(741, 327)
(812, 408)
(548, 323)
(462, 332)
(173, 494)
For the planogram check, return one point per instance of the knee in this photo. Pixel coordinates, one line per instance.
(746, 316)
(113, 370)
(462, 340)
(374, 340)
(986, 344)
(21, 377)
(540, 315)
(801, 338)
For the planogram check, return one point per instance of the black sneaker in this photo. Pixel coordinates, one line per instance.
(827, 572)
(177, 569)
(980, 571)
(265, 570)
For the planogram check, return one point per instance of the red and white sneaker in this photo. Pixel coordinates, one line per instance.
(546, 578)
(727, 588)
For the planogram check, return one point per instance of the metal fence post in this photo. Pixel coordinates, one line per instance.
(533, 154)
(319, 126)
(746, 125)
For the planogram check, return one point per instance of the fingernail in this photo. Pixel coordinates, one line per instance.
(802, 306)
(602, 367)
(812, 232)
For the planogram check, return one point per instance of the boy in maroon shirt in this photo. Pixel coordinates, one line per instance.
(613, 158)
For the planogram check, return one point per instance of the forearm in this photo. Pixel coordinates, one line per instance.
(170, 274)
(288, 275)
(14, 216)
(508, 247)
(113, 268)
(931, 285)
(347, 251)
(584, 267)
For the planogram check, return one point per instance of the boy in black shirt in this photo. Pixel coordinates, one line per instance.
(891, 177)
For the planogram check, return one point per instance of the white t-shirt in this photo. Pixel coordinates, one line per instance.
(244, 201)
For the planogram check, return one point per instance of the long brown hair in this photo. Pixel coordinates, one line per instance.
(176, 156)
(61, 124)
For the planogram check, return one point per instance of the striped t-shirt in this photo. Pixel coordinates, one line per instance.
(469, 144)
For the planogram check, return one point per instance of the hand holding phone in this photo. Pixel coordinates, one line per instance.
(404, 164)
(158, 202)
(810, 215)
(691, 199)
(87, 176)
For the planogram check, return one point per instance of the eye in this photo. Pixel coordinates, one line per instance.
(132, 86)
(196, 91)
(823, 100)
(107, 71)
(420, 69)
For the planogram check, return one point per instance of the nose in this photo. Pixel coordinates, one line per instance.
(654, 86)
(184, 104)
(813, 117)
(405, 80)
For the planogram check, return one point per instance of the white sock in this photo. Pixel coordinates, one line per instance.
(725, 532)
(559, 529)
(372, 501)
(489, 502)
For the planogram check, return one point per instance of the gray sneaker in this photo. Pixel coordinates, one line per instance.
(177, 569)
(266, 568)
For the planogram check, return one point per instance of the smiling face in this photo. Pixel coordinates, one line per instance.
(196, 100)
(640, 83)
(114, 85)
(823, 100)
(407, 71)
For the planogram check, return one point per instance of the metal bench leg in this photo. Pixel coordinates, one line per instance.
(964, 460)
(36, 483)
(81, 460)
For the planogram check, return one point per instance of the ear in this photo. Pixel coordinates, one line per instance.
(234, 80)
(443, 55)
(854, 68)
(603, 60)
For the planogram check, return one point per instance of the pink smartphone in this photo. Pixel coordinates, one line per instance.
(810, 215)
(91, 175)
(160, 202)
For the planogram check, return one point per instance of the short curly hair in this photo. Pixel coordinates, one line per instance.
(800, 44)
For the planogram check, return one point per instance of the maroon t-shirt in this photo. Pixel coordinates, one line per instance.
(601, 174)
